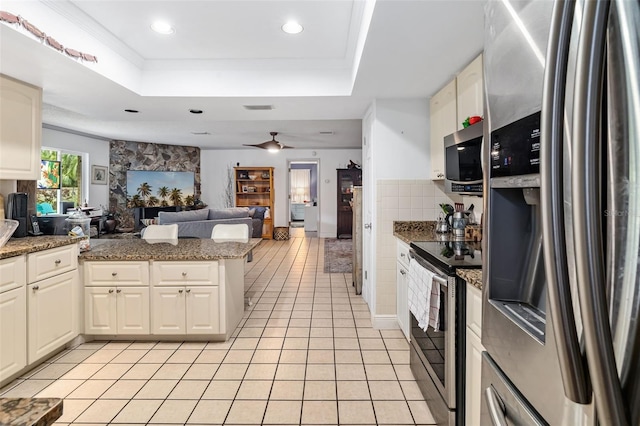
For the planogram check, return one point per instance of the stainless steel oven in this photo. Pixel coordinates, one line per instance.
(438, 357)
(433, 352)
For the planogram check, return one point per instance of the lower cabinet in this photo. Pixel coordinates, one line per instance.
(116, 310)
(116, 296)
(51, 308)
(13, 316)
(473, 360)
(13, 332)
(402, 290)
(186, 310)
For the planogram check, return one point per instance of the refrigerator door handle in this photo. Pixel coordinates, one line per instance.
(587, 223)
(496, 407)
(572, 366)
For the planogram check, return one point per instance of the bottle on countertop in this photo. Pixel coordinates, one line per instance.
(1, 207)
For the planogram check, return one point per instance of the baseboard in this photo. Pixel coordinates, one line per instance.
(385, 322)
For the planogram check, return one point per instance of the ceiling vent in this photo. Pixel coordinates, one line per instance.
(258, 107)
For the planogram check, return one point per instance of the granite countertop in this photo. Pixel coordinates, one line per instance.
(18, 246)
(29, 411)
(420, 231)
(472, 276)
(186, 249)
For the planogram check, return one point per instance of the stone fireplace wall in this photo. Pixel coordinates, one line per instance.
(126, 156)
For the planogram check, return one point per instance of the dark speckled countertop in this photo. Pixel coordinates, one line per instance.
(426, 231)
(18, 246)
(29, 411)
(186, 249)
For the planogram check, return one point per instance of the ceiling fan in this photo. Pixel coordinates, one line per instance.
(272, 146)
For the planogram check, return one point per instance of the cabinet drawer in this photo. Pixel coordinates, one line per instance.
(116, 273)
(13, 273)
(403, 253)
(47, 263)
(192, 273)
(474, 309)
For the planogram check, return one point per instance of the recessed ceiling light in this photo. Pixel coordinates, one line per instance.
(132, 111)
(162, 27)
(292, 27)
(195, 111)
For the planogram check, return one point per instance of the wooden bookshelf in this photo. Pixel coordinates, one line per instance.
(254, 187)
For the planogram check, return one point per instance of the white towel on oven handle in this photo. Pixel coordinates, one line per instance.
(419, 292)
(434, 305)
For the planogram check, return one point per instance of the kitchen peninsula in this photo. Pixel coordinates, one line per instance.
(191, 290)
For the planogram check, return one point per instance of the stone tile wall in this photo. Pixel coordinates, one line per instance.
(126, 156)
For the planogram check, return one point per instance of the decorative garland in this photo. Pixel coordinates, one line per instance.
(19, 20)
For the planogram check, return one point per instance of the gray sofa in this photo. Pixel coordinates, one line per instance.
(200, 223)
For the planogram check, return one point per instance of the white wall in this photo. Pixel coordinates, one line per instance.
(213, 165)
(97, 152)
(401, 139)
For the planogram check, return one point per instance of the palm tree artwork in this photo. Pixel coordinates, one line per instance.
(149, 188)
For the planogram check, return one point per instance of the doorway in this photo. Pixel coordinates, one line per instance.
(303, 195)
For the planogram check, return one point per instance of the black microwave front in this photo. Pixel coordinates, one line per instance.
(463, 165)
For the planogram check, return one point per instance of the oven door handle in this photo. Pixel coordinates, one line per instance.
(428, 266)
(496, 407)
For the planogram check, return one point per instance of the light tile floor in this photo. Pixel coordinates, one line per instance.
(304, 353)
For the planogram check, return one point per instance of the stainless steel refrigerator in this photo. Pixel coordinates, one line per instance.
(561, 293)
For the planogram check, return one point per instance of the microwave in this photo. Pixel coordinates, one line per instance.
(463, 161)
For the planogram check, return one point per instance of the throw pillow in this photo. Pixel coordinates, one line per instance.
(259, 212)
(186, 216)
(228, 213)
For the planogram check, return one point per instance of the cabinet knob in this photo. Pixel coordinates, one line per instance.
(367, 226)
(110, 290)
(35, 287)
(440, 175)
(113, 274)
(402, 255)
(58, 261)
(188, 290)
(184, 274)
(403, 272)
(118, 291)
(180, 291)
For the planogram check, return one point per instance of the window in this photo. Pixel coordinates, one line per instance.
(71, 181)
(300, 185)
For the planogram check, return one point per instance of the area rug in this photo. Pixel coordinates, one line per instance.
(338, 255)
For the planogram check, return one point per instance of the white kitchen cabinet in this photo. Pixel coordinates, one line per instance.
(473, 361)
(116, 298)
(186, 298)
(48, 263)
(470, 91)
(402, 281)
(443, 122)
(52, 300)
(20, 129)
(116, 310)
(51, 307)
(13, 326)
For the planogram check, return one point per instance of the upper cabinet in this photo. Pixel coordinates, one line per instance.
(20, 129)
(470, 91)
(443, 123)
(462, 97)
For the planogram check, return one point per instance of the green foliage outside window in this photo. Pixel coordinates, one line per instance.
(71, 183)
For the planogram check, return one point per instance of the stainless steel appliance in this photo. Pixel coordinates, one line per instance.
(437, 357)
(561, 289)
(463, 169)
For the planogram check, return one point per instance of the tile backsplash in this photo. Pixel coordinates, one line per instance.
(404, 200)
